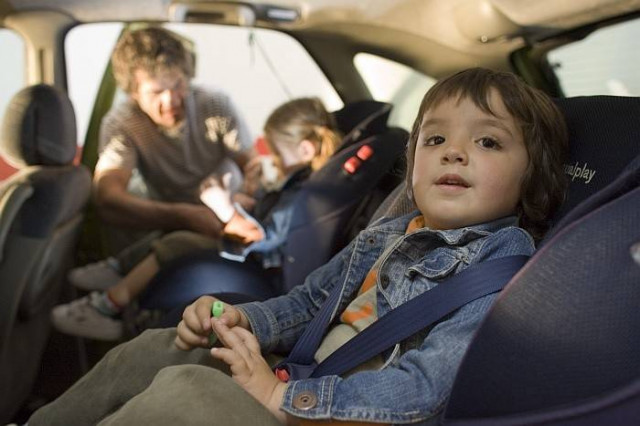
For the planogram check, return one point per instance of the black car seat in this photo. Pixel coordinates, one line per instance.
(40, 215)
(330, 207)
(561, 344)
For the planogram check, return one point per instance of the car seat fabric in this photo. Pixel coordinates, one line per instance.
(40, 215)
(603, 135)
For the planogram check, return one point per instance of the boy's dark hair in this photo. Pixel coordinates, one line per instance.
(543, 129)
(153, 50)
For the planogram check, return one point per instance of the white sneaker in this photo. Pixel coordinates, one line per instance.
(81, 318)
(95, 276)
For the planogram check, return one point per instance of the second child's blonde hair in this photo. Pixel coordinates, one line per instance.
(303, 119)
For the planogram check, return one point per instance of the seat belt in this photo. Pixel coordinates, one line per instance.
(400, 323)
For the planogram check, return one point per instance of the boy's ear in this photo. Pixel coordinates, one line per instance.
(307, 150)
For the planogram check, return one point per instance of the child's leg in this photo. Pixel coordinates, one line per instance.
(166, 249)
(192, 395)
(124, 372)
(135, 282)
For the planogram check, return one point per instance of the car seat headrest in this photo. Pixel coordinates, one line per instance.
(361, 119)
(39, 128)
(603, 139)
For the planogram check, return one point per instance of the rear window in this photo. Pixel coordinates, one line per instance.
(604, 63)
(393, 82)
(259, 69)
(13, 77)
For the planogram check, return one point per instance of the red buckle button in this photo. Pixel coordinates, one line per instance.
(351, 165)
(282, 374)
(365, 152)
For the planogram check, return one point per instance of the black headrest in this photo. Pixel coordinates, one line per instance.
(361, 119)
(39, 128)
(604, 136)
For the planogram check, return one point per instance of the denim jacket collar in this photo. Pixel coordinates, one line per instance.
(450, 236)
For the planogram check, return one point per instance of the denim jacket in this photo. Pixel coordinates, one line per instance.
(418, 374)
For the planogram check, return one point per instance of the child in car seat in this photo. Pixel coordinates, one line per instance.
(484, 171)
(302, 136)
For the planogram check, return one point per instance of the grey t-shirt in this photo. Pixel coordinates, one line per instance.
(173, 165)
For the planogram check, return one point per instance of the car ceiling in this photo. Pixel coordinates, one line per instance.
(432, 35)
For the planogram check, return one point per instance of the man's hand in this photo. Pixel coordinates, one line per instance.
(198, 218)
(195, 327)
(248, 367)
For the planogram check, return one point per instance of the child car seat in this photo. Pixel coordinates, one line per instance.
(40, 215)
(561, 344)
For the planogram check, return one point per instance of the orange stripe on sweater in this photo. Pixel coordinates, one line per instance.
(350, 317)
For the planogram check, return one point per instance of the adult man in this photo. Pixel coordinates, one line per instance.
(173, 134)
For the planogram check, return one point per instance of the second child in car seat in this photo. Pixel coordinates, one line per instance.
(485, 173)
(302, 136)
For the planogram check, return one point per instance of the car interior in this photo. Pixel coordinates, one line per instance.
(560, 346)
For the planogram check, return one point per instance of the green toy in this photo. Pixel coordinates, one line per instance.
(216, 310)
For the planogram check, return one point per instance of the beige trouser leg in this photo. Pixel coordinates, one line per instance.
(192, 395)
(127, 370)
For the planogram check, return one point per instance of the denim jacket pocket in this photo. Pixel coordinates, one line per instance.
(437, 265)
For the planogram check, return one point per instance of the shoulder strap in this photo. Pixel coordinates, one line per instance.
(407, 319)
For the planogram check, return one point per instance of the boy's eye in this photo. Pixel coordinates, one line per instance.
(434, 140)
(488, 143)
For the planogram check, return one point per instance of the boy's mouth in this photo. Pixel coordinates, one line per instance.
(451, 179)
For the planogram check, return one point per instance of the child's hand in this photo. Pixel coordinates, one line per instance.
(195, 327)
(242, 229)
(248, 367)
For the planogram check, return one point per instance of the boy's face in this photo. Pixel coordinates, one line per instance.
(468, 164)
(161, 97)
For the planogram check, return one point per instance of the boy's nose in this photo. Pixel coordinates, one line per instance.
(454, 154)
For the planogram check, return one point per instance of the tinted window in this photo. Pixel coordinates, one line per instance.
(13, 76)
(604, 63)
(259, 69)
(390, 81)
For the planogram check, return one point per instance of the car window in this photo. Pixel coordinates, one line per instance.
(390, 81)
(604, 63)
(13, 76)
(259, 69)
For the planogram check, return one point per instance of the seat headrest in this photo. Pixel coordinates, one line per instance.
(39, 128)
(361, 119)
(604, 136)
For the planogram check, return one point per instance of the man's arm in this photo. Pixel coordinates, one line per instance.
(119, 207)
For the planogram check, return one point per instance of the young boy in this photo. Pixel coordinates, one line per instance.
(485, 155)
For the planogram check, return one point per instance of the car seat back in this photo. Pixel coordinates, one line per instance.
(560, 345)
(335, 202)
(40, 214)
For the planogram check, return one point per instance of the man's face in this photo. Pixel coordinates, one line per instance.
(162, 96)
(469, 164)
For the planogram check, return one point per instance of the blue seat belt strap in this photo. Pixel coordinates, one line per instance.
(423, 310)
(407, 319)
